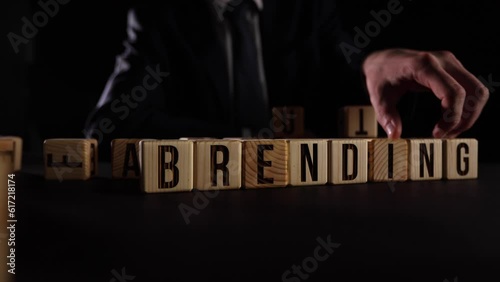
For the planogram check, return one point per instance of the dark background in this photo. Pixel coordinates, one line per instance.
(48, 88)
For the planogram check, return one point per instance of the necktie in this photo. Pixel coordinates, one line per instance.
(249, 95)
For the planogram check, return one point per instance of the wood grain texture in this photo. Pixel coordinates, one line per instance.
(461, 158)
(388, 160)
(6, 167)
(125, 159)
(358, 121)
(348, 161)
(308, 162)
(18, 150)
(70, 159)
(166, 165)
(288, 122)
(425, 159)
(265, 163)
(218, 164)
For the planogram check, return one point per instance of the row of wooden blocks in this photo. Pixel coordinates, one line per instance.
(215, 164)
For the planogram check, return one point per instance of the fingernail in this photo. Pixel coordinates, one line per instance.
(390, 128)
(439, 133)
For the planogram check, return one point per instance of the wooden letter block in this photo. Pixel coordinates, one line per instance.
(67, 159)
(166, 165)
(218, 164)
(125, 159)
(308, 162)
(348, 160)
(18, 150)
(7, 147)
(461, 158)
(388, 160)
(288, 122)
(265, 163)
(426, 159)
(358, 122)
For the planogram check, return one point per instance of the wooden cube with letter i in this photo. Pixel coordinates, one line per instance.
(388, 160)
(166, 165)
(358, 122)
(70, 159)
(265, 163)
(218, 164)
(308, 162)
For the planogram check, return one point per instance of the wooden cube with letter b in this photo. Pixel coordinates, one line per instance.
(18, 151)
(166, 165)
(217, 164)
(461, 157)
(125, 159)
(67, 159)
(348, 160)
(425, 159)
(388, 160)
(358, 122)
(308, 162)
(265, 163)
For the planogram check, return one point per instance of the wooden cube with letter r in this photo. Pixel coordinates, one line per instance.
(461, 157)
(265, 163)
(70, 159)
(166, 165)
(308, 162)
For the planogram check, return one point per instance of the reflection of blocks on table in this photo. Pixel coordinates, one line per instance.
(67, 159)
(308, 162)
(217, 164)
(358, 122)
(18, 150)
(7, 147)
(348, 161)
(288, 122)
(125, 159)
(388, 160)
(461, 157)
(425, 159)
(166, 165)
(265, 163)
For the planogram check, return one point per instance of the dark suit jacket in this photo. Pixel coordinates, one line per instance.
(303, 66)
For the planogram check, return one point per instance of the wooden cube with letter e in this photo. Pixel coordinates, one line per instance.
(308, 162)
(461, 157)
(265, 163)
(288, 122)
(125, 159)
(388, 160)
(358, 122)
(425, 159)
(348, 161)
(218, 164)
(166, 165)
(70, 159)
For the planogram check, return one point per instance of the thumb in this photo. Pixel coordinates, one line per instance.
(390, 120)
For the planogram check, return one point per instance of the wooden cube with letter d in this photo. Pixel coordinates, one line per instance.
(348, 160)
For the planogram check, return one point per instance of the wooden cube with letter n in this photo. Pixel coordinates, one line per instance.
(166, 165)
(18, 150)
(426, 159)
(125, 159)
(70, 159)
(461, 157)
(388, 160)
(348, 159)
(288, 122)
(358, 122)
(308, 162)
(265, 163)
(218, 164)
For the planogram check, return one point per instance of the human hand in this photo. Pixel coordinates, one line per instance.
(393, 72)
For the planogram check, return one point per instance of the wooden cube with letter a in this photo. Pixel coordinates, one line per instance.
(288, 122)
(218, 164)
(265, 163)
(358, 122)
(125, 159)
(6, 158)
(18, 151)
(461, 158)
(348, 159)
(308, 162)
(67, 159)
(388, 160)
(425, 159)
(166, 165)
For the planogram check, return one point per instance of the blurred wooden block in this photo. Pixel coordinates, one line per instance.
(265, 163)
(68, 159)
(461, 158)
(288, 122)
(7, 147)
(388, 160)
(348, 161)
(307, 162)
(425, 159)
(18, 150)
(125, 159)
(166, 165)
(217, 164)
(358, 122)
